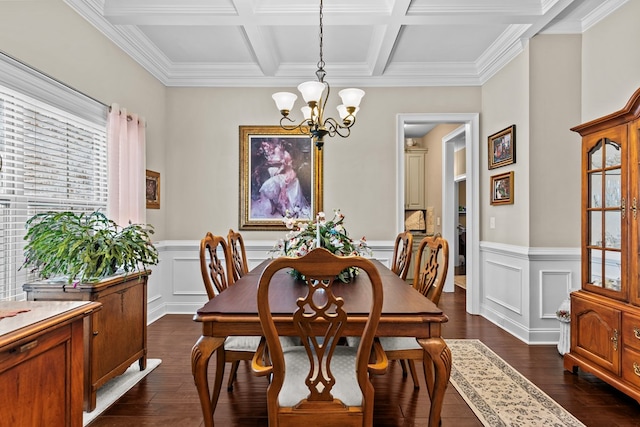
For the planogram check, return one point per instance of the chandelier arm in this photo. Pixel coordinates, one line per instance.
(335, 128)
(326, 98)
(301, 126)
(349, 119)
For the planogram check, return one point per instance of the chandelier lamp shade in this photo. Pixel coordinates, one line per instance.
(314, 122)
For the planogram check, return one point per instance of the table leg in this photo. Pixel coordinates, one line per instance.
(437, 359)
(200, 355)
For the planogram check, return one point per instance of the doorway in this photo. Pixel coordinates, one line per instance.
(469, 132)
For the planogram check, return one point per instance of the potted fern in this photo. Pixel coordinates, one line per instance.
(85, 247)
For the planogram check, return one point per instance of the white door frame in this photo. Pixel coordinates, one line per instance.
(471, 127)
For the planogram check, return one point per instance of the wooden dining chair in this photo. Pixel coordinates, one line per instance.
(215, 272)
(239, 266)
(429, 280)
(402, 252)
(217, 276)
(400, 263)
(320, 383)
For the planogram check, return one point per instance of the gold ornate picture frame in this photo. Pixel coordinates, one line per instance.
(280, 172)
(152, 189)
(502, 147)
(502, 189)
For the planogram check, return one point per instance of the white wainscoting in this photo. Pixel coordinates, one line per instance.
(175, 285)
(521, 288)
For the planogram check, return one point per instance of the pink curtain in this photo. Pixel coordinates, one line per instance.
(126, 153)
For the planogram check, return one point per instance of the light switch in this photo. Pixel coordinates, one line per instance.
(438, 220)
(492, 222)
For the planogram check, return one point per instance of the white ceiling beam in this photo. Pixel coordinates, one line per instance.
(177, 12)
(385, 38)
(257, 40)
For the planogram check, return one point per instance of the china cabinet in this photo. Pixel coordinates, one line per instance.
(605, 312)
(414, 194)
(116, 336)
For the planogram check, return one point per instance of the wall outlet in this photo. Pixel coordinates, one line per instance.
(438, 220)
(492, 222)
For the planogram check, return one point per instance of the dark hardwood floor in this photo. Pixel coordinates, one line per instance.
(167, 396)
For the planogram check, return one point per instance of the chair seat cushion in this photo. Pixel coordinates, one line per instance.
(343, 368)
(250, 343)
(241, 343)
(353, 341)
(399, 343)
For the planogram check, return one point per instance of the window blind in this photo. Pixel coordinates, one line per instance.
(51, 160)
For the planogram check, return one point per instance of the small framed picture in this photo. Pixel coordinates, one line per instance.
(153, 189)
(502, 147)
(502, 189)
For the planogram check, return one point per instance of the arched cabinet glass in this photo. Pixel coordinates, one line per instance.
(605, 214)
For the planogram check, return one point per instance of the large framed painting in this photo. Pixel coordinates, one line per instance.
(280, 175)
(502, 147)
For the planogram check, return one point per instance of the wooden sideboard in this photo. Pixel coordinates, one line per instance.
(116, 336)
(41, 359)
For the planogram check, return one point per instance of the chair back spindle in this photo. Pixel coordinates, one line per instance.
(215, 274)
(239, 266)
(402, 252)
(429, 280)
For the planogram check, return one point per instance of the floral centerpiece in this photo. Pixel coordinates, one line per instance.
(331, 235)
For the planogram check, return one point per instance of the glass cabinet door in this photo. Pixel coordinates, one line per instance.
(605, 216)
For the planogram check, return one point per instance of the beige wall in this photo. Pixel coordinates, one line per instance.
(194, 143)
(48, 35)
(505, 101)
(433, 170)
(202, 179)
(610, 62)
(460, 162)
(555, 151)
(539, 92)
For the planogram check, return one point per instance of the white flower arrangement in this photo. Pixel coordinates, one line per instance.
(331, 235)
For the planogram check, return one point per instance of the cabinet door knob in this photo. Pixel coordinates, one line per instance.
(614, 339)
(636, 369)
(95, 333)
(634, 208)
(636, 332)
(622, 207)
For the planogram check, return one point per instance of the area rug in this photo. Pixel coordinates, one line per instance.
(497, 393)
(117, 387)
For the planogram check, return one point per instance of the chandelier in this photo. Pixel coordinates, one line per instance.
(314, 123)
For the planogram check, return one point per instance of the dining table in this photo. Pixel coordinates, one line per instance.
(405, 312)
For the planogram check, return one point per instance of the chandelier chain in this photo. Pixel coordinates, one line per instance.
(321, 62)
(314, 123)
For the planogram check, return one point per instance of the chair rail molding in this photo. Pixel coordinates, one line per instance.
(520, 287)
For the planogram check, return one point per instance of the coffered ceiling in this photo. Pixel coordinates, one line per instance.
(366, 42)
